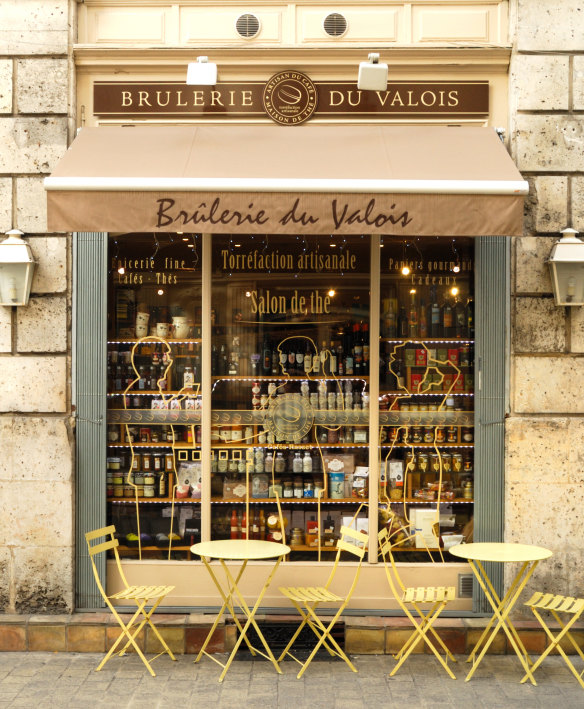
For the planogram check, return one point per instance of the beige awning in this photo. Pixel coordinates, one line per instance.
(317, 179)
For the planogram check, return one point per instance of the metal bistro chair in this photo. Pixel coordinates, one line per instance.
(555, 604)
(141, 595)
(307, 599)
(436, 596)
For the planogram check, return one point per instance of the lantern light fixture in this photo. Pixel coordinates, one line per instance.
(566, 264)
(202, 72)
(16, 269)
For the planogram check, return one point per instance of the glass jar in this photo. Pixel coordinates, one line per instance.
(297, 463)
(287, 489)
(146, 461)
(467, 434)
(451, 434)
(280, 464)
(298, 488)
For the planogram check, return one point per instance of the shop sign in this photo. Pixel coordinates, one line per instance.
(290, 98)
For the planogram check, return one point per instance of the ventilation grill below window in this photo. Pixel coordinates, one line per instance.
(247, 26)
(465, 582)
(335, 24)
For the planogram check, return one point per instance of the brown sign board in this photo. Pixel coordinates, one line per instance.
(334, 99)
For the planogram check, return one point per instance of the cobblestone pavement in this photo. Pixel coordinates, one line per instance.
(54, 680)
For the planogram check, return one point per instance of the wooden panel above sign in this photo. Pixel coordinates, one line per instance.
(256, 99)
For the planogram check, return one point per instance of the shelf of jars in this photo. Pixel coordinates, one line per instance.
(286, 501)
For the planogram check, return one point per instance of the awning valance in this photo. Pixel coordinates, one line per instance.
(317, 179)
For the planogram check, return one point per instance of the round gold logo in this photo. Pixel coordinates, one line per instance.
(290, 98)
(289, 417)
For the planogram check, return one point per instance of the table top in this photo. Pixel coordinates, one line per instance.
(240, 549)
(500, 551)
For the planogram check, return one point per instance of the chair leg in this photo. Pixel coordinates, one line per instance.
(555, 643)
(131, 640)
(325, 635)
(420, 633)
(305, 621)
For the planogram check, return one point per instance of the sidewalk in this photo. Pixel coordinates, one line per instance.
(41, 680)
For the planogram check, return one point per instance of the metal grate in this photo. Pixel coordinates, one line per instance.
(247, 25)
(335, 24)
(465, 585)
(278, 635)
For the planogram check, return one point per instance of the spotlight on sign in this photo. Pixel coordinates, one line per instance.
(202, 72)
(372, 74)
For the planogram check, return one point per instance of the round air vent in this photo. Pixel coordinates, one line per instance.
(247, 26)
(335, 24)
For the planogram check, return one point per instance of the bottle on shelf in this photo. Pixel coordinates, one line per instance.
(413, 316)
(266, 358)
(423, 320)
(244, 528)
(402, 323)
(365, 338)
(460, 322)
(470, 317)
(357, 350)
(234, 525)
(332, 359)
(447, 318)
(322, 355)
(340, 360)
(435, 315)
(390, 315)
(307, 359)
(262, 524)
(299, 363)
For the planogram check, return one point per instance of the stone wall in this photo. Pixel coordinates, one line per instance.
(545, 430)
(36, 439)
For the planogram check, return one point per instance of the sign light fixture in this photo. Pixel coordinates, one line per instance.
(202, 72)
(372, 74)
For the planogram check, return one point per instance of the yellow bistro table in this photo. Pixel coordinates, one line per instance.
(501, 552)
(240, 550)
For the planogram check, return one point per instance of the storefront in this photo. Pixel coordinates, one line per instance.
(278, 323)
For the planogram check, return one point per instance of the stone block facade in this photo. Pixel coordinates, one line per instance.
(544, 430)
(36, 434)
(544, 448)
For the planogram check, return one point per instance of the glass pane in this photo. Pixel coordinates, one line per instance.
(426, 392)
(154, 406)
(290, 402)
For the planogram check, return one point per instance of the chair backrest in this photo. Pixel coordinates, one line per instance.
(101, 547)
(354, 543)
(385, 547)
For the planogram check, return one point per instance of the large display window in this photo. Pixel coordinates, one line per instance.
(292, 451)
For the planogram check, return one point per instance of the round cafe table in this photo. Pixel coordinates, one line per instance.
(239, 550)
(529, 557)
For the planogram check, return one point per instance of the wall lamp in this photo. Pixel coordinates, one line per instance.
(202, 72)
(566, 264)
(372, 74)
(16, 269)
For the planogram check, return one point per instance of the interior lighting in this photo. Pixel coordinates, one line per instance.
(405, 270)
(332, 293)
(121, 270)
(454, 290)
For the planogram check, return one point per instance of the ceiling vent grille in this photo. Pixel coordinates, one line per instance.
(335, 24)
(465, 582)
(247, 26)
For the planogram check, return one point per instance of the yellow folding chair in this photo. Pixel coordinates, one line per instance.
(555, 605)
(141, 595)
(307, 599)
(415, 597)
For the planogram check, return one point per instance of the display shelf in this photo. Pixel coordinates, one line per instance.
(427, 445)
(157, 340)
(422, 340)
(287, 500)
(286, 446)
(419, 501)
(155, 392)
(290, 377)
(162, 444)
(154, 500)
